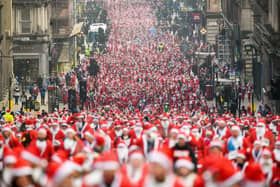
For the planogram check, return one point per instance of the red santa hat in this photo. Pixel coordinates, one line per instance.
(7, 127)
(70, 130)
(107, 161)
(216, 143)
(223, 172)
(163, 156)
(57, 172)
(60, 156)
(136, 154)
(241, 154)
(79, 116)
(89, 133)
(184, 162)
(9, 157)
(182, 135)
(235, 128)
(79, 159)
(21, 168)
(32, 154)
(174, 130)
(261, 122)
(253, 176)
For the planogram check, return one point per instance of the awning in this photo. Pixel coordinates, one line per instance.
(77, 29)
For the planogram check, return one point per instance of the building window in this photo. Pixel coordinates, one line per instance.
(25, 21)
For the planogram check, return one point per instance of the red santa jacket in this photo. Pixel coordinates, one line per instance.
(275, 179)
(47, 152)
(268, 136)
(13, 142)
(126, 179)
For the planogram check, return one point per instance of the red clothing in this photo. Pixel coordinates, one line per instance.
(268, 136)
(12, 142)
(46, 153)
(138, 181)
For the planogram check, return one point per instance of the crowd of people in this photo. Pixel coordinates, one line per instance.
(126, 136)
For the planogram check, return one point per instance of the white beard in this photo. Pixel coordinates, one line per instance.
(165, 124)
(118, 133)
(186, 130)
(54, 130)
(197, 135)
(266, 165)
(7, 176)
(122, 154)
(42, 145)
(69, 143)
(1, 152)
(260, 132)
(277, 154)
(138, 131)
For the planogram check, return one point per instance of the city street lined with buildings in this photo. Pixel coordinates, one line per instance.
(139, 93)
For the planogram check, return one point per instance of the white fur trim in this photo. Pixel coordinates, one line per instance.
(185, 164)
(9, 160)
(248, 183)
(24, 171)
(63, 171)
(161, 159)
(174, 130)
(110, 165)
(88, 134)
(241, 155)
(7, 129)
(70, 130)
(181, 136)
(232, 180)
(31, 157)
(136, 156)
(216, 144)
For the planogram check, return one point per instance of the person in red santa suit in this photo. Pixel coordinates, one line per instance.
(165, 126)
(9, 139)
(267, 165)
(122, 151)
(171, 141)
(219, 171)
(81, 126)
(127, 137)
(149, 141)
(105, 173)
(185, 169)
(236, 141)
(62, 174)
(136, 170)
(160, 172)
(222, 131)
(263, 134)
(241, 160)
(95, 141)
(137, 131)
(254, 153)
(276, 172)
(43, 144)
(72, 143)
(57, 135)
(3, 150)
(253, 176)
(117, 132)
